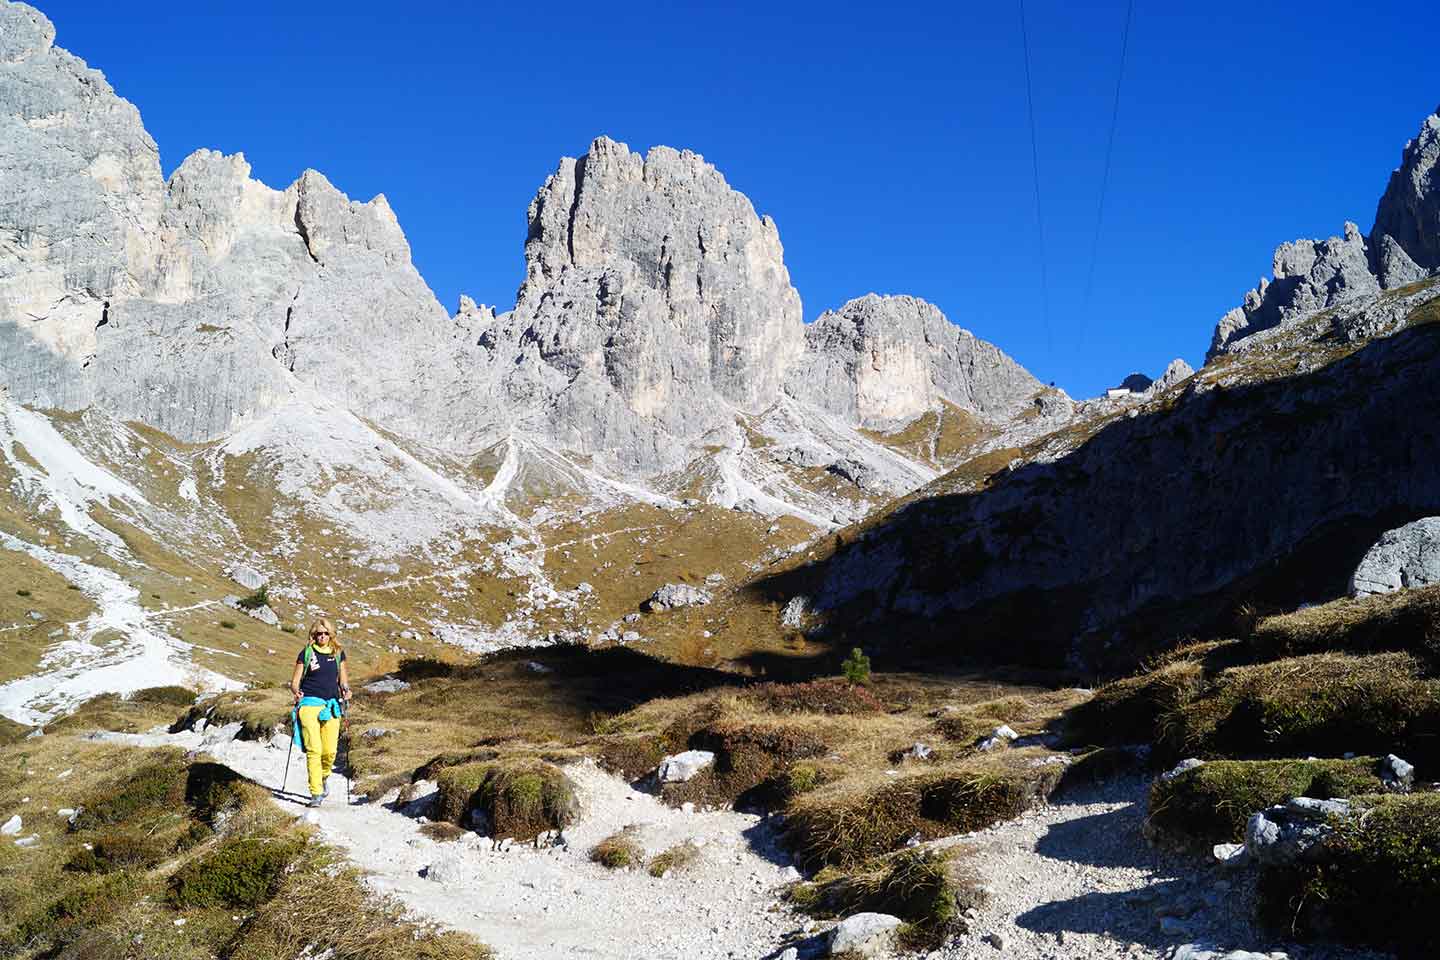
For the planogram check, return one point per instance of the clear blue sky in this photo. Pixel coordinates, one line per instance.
(889, 141)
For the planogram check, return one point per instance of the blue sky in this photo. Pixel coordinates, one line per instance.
(891, 143)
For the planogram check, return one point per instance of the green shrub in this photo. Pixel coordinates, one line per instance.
(618, 850)
(856, 667)
(155, 785)
(171, 696)
(46, 931)
(227, 624)
(521, 799)
(675, 858)
(260, 598)
(242, 872)
(1377, 885)
(1212, 803)
(22, 593)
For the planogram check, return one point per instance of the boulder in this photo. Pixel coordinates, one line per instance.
(386, 685)
(1292, 832)
(1406, 557)
(999, 737)
(863, 935)
(12, 826)
(1184, 766)
(674, 595)
(683, 766)
(1205, 951)
(1397, 775)
(247, 577)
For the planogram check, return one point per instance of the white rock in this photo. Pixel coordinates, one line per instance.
(1184, 766)
(1406, 557)
(12, 826)
(684, 766)
(247, 577)
(864, 935)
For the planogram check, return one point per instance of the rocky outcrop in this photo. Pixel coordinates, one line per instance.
(196, 304)
(1309, 275)
(883, 361)
(1313, 275)
(1405, 243)
(1156, 519)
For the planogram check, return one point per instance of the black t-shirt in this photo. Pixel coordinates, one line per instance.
(323, 680)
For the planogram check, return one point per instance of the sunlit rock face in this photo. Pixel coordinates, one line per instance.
(881, 361)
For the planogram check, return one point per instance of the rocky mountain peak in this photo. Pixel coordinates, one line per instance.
(660, 248)
(883, 360)
(1405, 242)
(1313, 275)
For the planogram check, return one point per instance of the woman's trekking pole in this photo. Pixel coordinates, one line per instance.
(349, 761)
(289, 750)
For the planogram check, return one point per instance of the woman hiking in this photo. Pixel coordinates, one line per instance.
(321, 685)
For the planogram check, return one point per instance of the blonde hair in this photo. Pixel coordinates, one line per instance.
(323, 623)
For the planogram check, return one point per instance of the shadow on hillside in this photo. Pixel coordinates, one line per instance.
(1173, 523)
(565, 682)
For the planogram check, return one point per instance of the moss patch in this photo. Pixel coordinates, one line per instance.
(520, 799)
(1211, 804)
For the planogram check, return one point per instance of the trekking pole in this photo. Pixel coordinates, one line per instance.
(285, 781)
(349, 762)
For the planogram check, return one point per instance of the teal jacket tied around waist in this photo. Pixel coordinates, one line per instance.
(330, 710)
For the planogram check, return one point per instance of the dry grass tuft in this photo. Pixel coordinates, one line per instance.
(861, 818)
(1406, 621)
(1314, 705)
(620, 849)
(1134, 710)
(675, 858)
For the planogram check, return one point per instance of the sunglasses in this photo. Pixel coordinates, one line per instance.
(322, 633)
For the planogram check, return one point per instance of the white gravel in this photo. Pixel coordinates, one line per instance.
(1076, 879)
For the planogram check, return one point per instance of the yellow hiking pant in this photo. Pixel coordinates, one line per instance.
(322, 741)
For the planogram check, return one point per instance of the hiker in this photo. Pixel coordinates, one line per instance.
(321, 685)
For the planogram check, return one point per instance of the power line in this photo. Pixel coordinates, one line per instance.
(1035, 166)
(1105, 177)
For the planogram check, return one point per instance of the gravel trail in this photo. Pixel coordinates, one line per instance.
(1074, 880)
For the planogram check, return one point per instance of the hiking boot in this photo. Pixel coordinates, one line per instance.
(316, 800)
